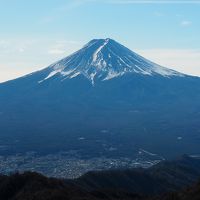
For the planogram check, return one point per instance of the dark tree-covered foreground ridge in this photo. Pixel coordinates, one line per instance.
(169, 180)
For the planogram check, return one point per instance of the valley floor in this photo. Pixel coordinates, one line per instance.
(70, 164)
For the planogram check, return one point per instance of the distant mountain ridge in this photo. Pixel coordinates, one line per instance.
(134, 185)
(167, 176)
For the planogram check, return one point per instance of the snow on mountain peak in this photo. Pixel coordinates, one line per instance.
(96, 54)
(104, 59)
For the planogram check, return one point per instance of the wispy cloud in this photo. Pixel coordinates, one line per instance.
(56, 51)
(152, 2)
(47, 19)
(61, 46)
(183, 60)
(72, 4)
(158, 14)
(186, 23)
(22, 56)
(60, 10)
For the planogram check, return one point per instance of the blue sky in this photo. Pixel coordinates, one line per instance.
(36, 33)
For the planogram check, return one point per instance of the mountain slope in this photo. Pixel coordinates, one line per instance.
(108, 95)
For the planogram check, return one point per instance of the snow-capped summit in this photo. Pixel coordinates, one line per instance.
(104, 59)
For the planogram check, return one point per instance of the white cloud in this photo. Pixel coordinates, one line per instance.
(183, 60)
(21, 50)
(21, 56)
(74, 4)
(186, 23)
(159, 14)
(61, 46)
(152, 2)
(56, 51)
(60, 10)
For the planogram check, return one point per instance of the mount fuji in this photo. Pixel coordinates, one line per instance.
(102, 100)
